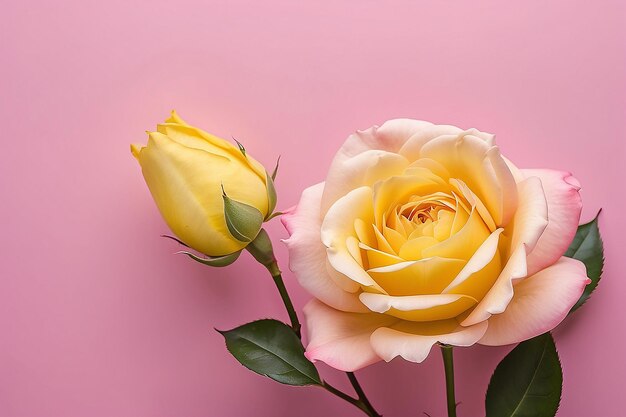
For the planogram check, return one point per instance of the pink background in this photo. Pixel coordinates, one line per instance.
(98, 318)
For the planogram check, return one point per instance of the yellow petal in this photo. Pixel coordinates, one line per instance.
(192, 136)
(364, 232)
(338, 226)
(364, 169)
(472, 160)
(444, 225)
(377, 258)
(135, 149)
(412, 249)
(463, 244)
(481, 271)
(419, 307)
(426, 276)
(395, 239)
(175, 118)
(396, 190)
(381, 241)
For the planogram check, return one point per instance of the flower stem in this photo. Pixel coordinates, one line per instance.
(448, 364)
(261, 249)
(361, 403)
(362, 397)
(293, 316)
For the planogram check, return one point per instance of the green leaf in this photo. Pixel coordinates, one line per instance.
(587, 247)
(243, 221)
(271, 196)
(218, 261)
(271, 348)
(528, 381)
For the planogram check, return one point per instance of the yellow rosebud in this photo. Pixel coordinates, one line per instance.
(194, 175)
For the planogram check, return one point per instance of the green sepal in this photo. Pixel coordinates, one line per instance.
(275, 172)
(261, 249)
(241, 147)
(271, 348)
(175, 239)
(275, 214)
(217, 261)
(271, 196)
(528, 381)
(588, 248)
(243, 221)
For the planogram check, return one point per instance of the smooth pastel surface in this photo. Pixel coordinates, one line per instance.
(99, 318)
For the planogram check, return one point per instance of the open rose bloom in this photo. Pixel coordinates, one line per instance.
(425, 233)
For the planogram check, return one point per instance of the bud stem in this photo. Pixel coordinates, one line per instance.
(261, 249)
(278, 280)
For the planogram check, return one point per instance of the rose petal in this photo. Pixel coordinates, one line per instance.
(531, 217)
(483, 256)
(501, 293)
(338, 227)
(307, 254)
(481, 167)
(419, 307)
(389, 137)
(540, 303)
(412, 147)
(464, 243)
(528, 225)
(413, 341)
(340, 339)
(197, 138)
(363, 169)
(416, 277)
(564, 207)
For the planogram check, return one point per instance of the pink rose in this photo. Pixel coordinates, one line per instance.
(424, 233)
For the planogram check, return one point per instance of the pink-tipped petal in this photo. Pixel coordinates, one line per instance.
(540, 303)
(564, 207)
(531, 218)
(340, 339)
(307, 254)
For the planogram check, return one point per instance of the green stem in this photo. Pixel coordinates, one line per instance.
(261, 249)
(448, 364)
(364, 406)
(361, 402)
(362, 397)
(293, 316)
